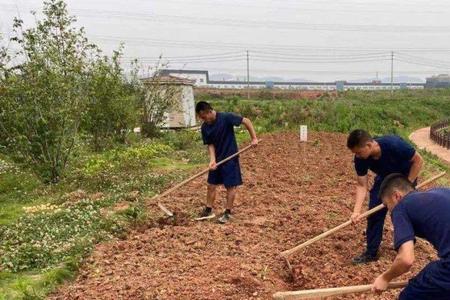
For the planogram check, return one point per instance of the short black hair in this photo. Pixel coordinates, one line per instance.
(394, 181)
(203, 106)
(358, 138)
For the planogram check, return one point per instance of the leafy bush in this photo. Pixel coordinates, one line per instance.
(183, 139)
(123, 158)
(42, 98)
(113, 103)
(61, 90)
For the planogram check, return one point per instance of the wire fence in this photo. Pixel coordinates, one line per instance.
(440, 133)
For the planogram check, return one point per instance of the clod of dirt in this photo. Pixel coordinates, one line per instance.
(178, 219)
(246, 284)
(298, 278)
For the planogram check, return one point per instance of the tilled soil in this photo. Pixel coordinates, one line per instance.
(292, 192)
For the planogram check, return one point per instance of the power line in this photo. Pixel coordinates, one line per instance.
(309, 60)
(271, 58)
(337, 8)
(275, 55)
(426, 60)
(243, 46)
(245, 23)
(212, 55)
(447, 68)
(315, 54)
(313, 61)
(237, 57)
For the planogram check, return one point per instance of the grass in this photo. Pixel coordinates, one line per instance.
(16, 190)
(47, 230)
(376, 111)
(32, 285)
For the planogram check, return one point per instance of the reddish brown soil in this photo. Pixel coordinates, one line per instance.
(292, 192)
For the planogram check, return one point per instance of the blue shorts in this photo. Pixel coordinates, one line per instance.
(432, 283)
(228, 174)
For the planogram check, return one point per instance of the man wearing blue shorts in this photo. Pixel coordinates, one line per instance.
(383, 156)
(218, 134)
(425, 215)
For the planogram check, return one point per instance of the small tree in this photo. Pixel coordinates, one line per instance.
(158, 97)
(43, 97)
(112, 108)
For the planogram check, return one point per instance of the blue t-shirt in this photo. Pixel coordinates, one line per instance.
(426, 215)
(396, 155)
(221, 134)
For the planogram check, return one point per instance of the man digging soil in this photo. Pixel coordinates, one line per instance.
(218, 134)
(383, 156)
(422, 214)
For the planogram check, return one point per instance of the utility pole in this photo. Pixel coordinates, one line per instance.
(248, 77)
(392, 72)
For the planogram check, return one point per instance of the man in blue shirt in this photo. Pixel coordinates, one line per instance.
(218, 134)
(383, 156)
(425, 215)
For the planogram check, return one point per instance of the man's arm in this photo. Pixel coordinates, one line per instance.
(212, 157)
(361, 193)
(417, 163)
(248, 124)
(402, 264)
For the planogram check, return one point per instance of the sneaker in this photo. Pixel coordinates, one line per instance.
(206, 213)
(225, 218)
(364, 259)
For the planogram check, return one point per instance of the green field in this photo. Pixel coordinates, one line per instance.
(46, 230)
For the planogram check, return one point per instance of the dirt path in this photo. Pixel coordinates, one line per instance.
(422, 139)
(292, 192)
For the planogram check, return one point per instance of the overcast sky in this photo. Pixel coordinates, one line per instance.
(313, 39)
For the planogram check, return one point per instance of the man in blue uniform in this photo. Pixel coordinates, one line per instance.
(383, 156)
(218, 134)
(425, 215)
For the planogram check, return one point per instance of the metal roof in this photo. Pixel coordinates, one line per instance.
(168, 79)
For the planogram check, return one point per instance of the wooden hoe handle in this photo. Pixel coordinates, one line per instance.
(176, 187)
(317, 293)
(366, 214)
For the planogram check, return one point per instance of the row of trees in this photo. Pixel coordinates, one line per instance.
(57, 88)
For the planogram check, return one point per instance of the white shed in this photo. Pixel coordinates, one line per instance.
(184, 115)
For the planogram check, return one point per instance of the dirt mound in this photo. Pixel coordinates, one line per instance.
(292, 192)
(178, 219)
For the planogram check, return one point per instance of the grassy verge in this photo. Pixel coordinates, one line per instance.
(47, 230)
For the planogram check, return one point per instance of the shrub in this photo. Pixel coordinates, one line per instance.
(43, 98)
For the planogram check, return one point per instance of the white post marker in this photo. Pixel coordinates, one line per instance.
(303, 133)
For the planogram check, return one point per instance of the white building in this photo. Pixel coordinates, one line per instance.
(183, 115)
